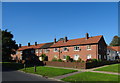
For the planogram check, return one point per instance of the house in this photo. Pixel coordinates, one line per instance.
(113, 52)
(84, 48)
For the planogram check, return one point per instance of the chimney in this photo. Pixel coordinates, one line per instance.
(35, 43)
(87, 35)
(20, 45)
(65, 39)
(28, 44)
(54, 40)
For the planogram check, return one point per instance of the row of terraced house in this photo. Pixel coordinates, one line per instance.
(85, 48)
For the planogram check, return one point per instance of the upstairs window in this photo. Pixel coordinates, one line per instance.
(65, 49)
(46, 50)
(88, 47)
(40, 50)
(20, 52)
(32, 51)
(36, 50)
(55, 50)
(76, 48)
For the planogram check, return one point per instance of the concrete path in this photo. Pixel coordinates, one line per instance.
(66, 75)
(106, 72)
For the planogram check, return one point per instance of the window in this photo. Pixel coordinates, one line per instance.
(64, 57)
(76, 48)
(99, 56)
(89, 56)
(65, 49)
(88, 47)
(55, 49)
(55, 56)
(46, 50)
(40, 50)
(20, 52)
(76, 57)
(36, 50)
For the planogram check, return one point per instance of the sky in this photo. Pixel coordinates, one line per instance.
(43, 21)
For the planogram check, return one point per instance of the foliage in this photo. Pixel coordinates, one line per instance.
(54, 59)
(68, 58)
(115, 41)
(44, 57)
(60, 60)
(8, 45)
(91, 60)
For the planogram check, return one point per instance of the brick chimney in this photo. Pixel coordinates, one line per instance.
(35, 43)
(87, 35)
(20, 45)
(28, 44)
(65, 39)
(55, 40)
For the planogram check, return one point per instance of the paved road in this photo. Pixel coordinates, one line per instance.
(14, 75)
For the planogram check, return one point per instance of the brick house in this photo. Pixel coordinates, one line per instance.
(113, 52)
(84, 48)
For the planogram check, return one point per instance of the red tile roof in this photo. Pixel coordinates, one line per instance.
(116, 48)
(79, 41)
(31, 46)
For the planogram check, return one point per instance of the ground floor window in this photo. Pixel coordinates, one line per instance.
(76, 57)
(89, 56)
(99, 56)
(64, 57)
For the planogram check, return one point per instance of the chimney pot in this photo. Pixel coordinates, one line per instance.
(87, 35)
(65, 39)
(28, 44)
(35, 43)
(20, 45)
(55, 40)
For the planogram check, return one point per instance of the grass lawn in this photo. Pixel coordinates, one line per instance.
(48, 71)
(110, 68)
(90, 76)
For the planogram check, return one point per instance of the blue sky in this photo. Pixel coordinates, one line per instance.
(42, 22)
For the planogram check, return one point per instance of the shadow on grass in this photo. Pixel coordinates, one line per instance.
(12, 66)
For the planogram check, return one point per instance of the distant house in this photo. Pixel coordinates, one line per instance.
(85, 48)
(113, 52)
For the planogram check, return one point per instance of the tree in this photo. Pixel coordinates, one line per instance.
(115, 41)
(9, 45)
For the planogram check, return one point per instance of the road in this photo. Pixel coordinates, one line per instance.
(14, 76)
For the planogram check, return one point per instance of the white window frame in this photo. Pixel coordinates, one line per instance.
(64, 49)
(90, 56)
(36, 51)
(75, 56)
(20, 52)
(65, 57)
(55, 50)
(76, 47)
(40, 50)
(55, 56)
(88, 46)
(46, 50)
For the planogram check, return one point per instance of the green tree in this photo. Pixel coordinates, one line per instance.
(9, 45)
(115, 41)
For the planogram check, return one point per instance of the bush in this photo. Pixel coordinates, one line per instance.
(68, 58)
(44, 57)
(54, 59)
(59, 60)
(91, 60)
(79, 60)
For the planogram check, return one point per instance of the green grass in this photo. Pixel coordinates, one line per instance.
(110, 68)
(48, 71)
(90, 76)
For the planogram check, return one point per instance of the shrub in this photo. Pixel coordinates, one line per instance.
(44, 57)
(54, 59)
(68, 58)
(59, 60)
(91, 60)
(79, 60)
